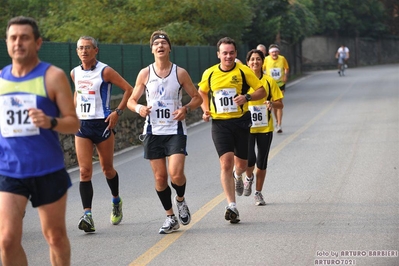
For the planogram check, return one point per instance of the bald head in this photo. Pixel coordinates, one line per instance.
(262, 48)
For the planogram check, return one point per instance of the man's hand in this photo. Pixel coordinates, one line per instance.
(206, 116)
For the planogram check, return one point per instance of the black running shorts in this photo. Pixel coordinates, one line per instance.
(231, 135)
(161, 146)
(40, 190)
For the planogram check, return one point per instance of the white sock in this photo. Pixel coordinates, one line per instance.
(237, 176)
(232, 204)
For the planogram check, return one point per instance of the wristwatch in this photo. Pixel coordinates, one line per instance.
(53, 122)
(119, 111)
(188, 109)
(248, 97)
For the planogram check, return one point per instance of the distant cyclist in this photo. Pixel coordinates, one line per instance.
(342, 55)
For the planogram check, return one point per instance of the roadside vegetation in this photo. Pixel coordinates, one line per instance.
(193, 22)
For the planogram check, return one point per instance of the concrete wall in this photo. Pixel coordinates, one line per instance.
(318, 52)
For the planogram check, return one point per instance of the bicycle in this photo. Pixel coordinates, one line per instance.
(341, 71)
(342, 66)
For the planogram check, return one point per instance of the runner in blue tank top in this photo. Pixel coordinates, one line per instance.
(36, 105)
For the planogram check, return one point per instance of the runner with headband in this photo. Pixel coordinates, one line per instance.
(165, 132)
(276, 66)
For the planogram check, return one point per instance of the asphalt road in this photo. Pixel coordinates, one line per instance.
(332, 190)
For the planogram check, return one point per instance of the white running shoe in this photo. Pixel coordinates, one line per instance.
(248, 185)
(170, 225)
(239, 184)
(184, 212)
(259, 201)
(232, 215)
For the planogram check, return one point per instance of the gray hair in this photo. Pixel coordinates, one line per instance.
(89, 38)
(261, 45)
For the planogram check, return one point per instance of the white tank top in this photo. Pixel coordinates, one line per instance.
(164, 95)
(93, 93)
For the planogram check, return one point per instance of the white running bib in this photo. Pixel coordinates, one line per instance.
(275, 73)
(15, 120)
(161, 112)
(259, 115)
(86, 103)
(224, 101)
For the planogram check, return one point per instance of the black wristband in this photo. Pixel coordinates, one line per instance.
(119, 111)
(248, 97)
(53, 122)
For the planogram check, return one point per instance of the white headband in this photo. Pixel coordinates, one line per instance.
(274, 49)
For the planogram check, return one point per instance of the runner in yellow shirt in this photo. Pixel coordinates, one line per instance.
(276, 66)
(262, 127)
(224, 89)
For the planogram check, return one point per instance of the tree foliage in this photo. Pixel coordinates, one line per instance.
(392, 16)
(266, 23)
(13, 8)
(297, 23)
(362, 18)
(204, 22)
(133, 21)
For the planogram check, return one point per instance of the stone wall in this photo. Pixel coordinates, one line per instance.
(318, 52)
(129, 127)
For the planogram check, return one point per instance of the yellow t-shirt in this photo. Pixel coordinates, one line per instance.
(262, 119)
(275, 68)
(223, 86)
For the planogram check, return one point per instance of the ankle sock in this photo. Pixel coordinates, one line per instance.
(116, 200)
